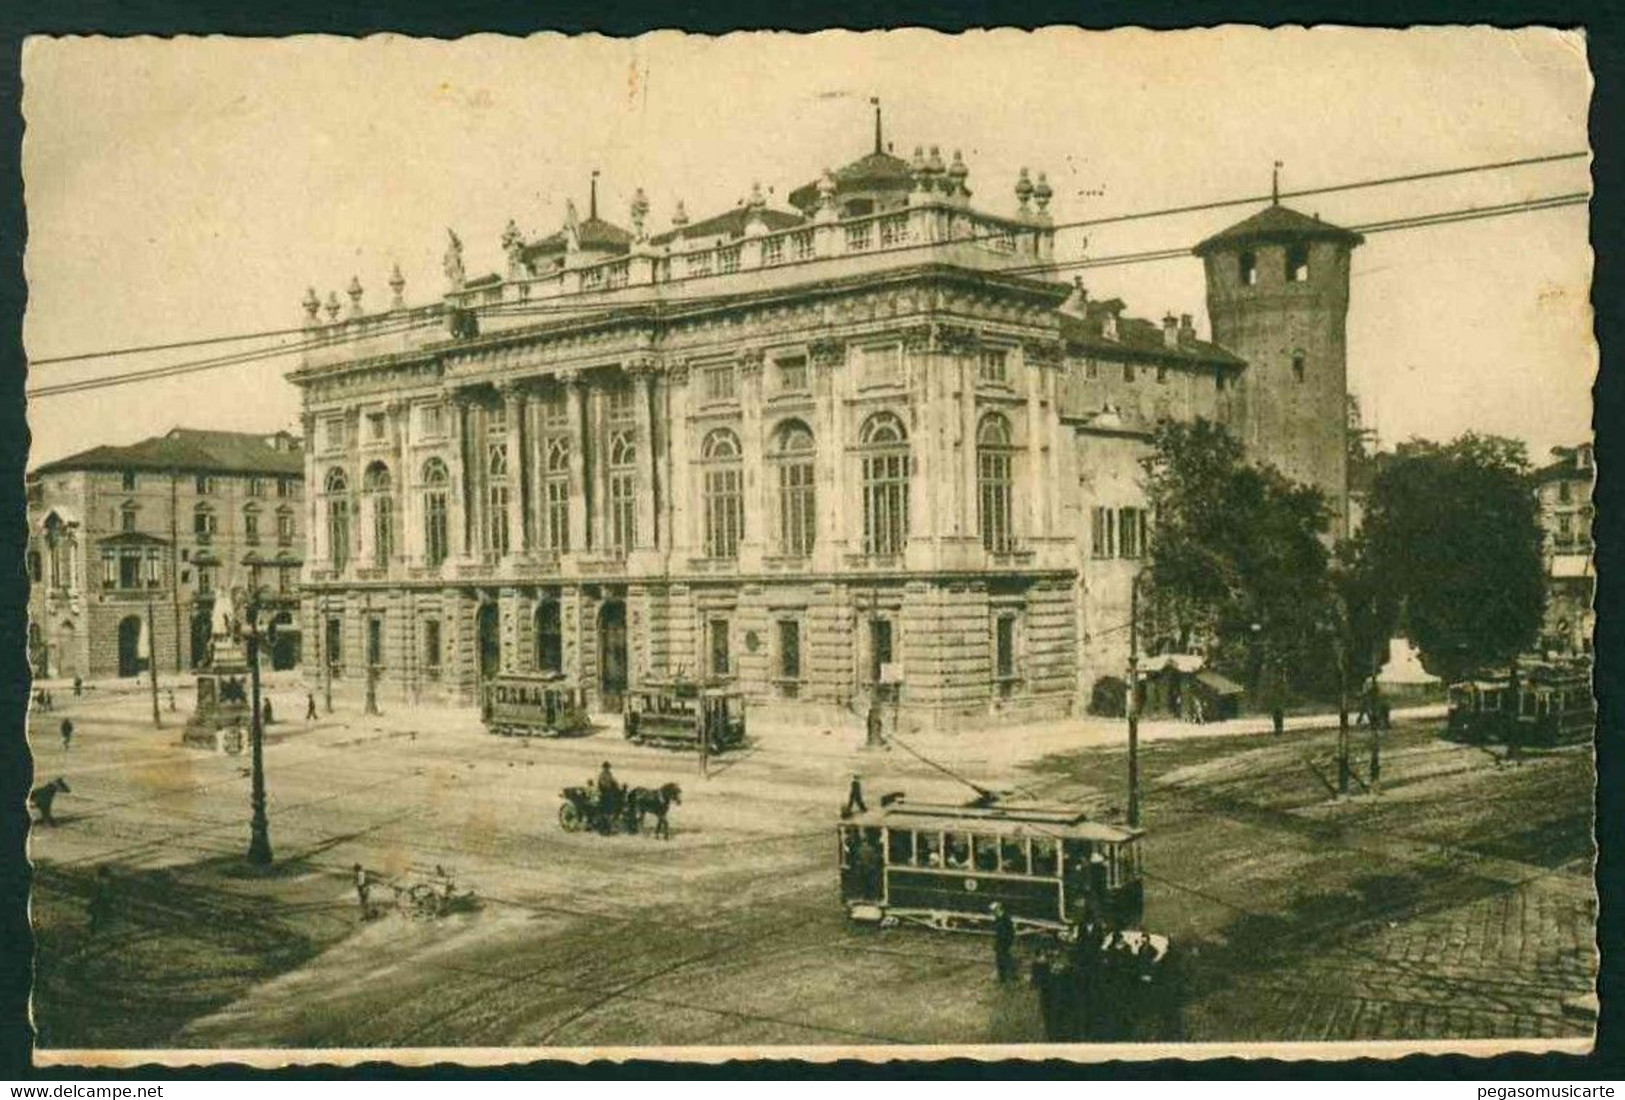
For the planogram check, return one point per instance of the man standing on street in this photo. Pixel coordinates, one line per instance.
(362, 889)
(1004, 943)
(67, 734)
(310, 707)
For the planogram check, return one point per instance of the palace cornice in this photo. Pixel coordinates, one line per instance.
(1002, 297)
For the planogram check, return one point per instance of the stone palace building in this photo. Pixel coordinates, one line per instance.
(1563, 489)
(876, 442)
(163, 528)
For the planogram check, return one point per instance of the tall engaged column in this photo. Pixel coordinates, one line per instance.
(576, 401)
(461, 513)
(832, 504)
(679, 538)
(758, 521)
(643, 380)
(514, 405)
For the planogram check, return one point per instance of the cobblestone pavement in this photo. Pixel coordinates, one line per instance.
(1456, 903)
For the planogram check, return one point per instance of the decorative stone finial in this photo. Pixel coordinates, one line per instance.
(354, 291)
(453, 261)
(512, 239)
(826, 188)
(397, 287)
(311, 303)
(679, 217)
(933, 163)
(1042, 193)
(958, 173)
(757, 200)
(333, 306)
(1024, 190)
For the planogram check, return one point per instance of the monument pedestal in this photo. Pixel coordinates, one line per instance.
(221, 718)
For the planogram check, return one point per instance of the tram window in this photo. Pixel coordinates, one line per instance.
(987, 853)
(849, 845)
(900, 846)
(1076, 855)
(928, 851)
(958, 850)
(1013, 856)
(1043, 856)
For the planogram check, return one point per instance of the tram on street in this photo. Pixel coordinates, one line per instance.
(1545, 704)
(943, 866)
(676, 713)
(520, 705)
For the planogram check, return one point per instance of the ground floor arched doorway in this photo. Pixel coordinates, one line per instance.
(129, 646)
(612, 654)
(285, 650)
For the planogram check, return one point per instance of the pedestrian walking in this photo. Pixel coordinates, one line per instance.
(310, 707)
(877, 725)
(78, 687)
(854, 797)
(101, 899)
(1004, 943)
(363, 888)
(170, 694)
(265, 711)
(67, 734)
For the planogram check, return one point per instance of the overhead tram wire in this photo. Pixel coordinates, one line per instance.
(1420, 221)
(1083, 223)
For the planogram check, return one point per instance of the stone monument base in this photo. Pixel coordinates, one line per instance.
(221, 718)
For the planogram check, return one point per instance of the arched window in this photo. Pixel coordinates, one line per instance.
(885, 484)
(1299, 364)
(993, 459)
(724, 494)
(376, 483)
(623, 490)
(1249, 269)
(556, 493)
(435, 542)
(1297, 263)
(793, 452)
(549, 636)
(337, 488)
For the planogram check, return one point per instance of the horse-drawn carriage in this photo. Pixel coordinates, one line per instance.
(534, 705)
(619, 810)
(676, 713)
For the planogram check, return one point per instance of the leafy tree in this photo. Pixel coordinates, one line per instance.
(1452, 545)
(1237, 557)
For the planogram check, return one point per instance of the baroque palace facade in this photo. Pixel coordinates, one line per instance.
(870, 445)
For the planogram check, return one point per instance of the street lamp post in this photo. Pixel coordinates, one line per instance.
(327, 663)
(1132, 701)
(152, 662)
(259, 842)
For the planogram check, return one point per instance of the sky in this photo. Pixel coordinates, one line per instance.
(188, 188)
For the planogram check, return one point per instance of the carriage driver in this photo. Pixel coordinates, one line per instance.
(609, 792)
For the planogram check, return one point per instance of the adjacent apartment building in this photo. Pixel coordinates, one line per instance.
(159, 530)
(1564, 491)
(876, 443)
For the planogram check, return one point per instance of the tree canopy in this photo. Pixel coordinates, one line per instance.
(1452, 550)
(1238, 557)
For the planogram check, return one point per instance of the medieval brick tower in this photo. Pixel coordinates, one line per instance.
(1278, 296)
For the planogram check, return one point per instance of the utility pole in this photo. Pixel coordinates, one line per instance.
(152, 662)
(259, 843)
(1343, 772)
(327, 663)
(1132, 701)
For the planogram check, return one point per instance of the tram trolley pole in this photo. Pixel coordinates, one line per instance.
(152, 662)
(1132, 700)
(259, 843)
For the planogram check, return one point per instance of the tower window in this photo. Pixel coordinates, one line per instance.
(1297, 263)
(1249, 269)
(1297, 366)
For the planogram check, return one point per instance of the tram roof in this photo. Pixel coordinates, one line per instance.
(1003, 818)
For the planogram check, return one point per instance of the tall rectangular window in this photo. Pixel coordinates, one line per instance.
(128, 481)
(129, 571)
(549, 637)
(990, 365)
(1004, 646)
(789, 649)
(717, 636)
(251, 528)
(375, 641)
(432, 425)
(204, 484)
(558, 515)
(882, 365)
(127, 519)
(719, 383)
(335, 643)
(623, 511)
(792, 374)
(431, 648)
(284, 528)
(1130, 532)
(1101, 542)
(724, 511)
(798, 512)
(256, 486)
